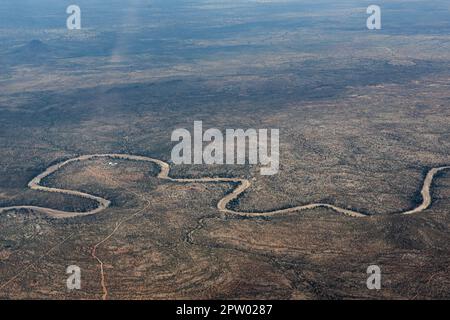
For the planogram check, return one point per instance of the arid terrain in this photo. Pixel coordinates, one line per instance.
(364, 120)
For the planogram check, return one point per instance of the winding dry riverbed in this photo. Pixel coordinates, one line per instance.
(242, 185)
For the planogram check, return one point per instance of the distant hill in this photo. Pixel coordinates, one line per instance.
(35, 51)
(33, 47)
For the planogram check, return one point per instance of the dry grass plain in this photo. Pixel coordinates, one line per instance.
(362, 117)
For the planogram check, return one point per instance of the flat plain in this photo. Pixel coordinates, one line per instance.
(363, 116)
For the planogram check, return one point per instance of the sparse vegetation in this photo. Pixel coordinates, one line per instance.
(362, 117)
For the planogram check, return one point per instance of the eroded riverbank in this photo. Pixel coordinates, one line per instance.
(222, 205)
